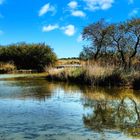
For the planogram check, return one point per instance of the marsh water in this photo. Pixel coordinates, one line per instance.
(35, 109)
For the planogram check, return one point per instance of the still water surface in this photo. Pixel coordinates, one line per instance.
(34, 109)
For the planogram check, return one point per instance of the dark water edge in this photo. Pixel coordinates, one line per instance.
(38, 109)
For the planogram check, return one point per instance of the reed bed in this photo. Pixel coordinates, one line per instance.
(96, 75)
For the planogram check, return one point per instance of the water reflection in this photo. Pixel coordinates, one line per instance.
(37, 109)
(119, 111)
(23, 89)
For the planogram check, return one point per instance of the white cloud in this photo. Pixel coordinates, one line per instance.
(78, 13)
(98, 4)
(69, 30)
(79, 39)
(134, 12)
(73, 4)
(49, 28)
(1, 1)
(46, 8)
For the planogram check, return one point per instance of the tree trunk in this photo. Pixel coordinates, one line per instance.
(97, 54)
(134, 52)
(124, 64)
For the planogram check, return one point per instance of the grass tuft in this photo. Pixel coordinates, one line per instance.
(7, 67)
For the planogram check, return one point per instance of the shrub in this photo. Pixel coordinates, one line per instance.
(28, 56)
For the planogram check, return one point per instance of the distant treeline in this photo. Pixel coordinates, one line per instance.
(69, 58)
(113, 43)
(28, 56)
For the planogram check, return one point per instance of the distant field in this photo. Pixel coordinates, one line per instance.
(69, 62)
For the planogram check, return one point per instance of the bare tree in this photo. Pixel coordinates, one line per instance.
(96, 33)
(119, 41)
(134, 36)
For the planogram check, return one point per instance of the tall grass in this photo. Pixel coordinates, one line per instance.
(103, 76)
(97, 75)
(92, 75)
(66, 74)
(7, 67)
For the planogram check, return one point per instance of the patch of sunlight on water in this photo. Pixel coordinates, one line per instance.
(12, 75)
(40, 110)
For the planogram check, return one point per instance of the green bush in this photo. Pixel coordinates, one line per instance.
(28, 56)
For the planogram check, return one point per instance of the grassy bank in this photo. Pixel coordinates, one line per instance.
(93, 75)
(97, 76)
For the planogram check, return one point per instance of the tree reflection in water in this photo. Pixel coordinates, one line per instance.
(117, 112)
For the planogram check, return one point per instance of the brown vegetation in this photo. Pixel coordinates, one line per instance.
(7, 67)
(96, 75)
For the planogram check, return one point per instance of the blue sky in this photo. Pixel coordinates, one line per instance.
(58, 23)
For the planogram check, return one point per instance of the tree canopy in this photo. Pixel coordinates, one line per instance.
(121, 41)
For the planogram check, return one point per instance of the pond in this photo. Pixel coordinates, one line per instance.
(35, 109)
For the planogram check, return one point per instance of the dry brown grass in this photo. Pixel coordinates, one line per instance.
(97, 71)
(7, 67)
(69, 62)
(91, 74)
(97, 75)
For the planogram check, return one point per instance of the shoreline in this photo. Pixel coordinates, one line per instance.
(110, 81)
(116, 78)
